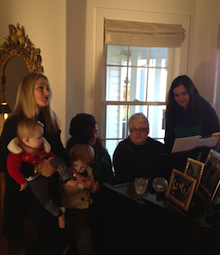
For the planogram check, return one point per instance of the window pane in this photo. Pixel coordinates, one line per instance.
(138, 108)
(137, 84)
(116, 121)
(160, 140)
(158, 57)
(138, 56)
(111, 145)
(117, 55)
(157, 83)
(116, 83)
(156, 119)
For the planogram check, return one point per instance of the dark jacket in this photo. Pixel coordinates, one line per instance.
(131, 161)
(210, 125)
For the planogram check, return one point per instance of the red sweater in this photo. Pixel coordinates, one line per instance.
(14, 162)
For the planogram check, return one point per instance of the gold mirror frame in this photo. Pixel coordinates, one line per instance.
(18, 45)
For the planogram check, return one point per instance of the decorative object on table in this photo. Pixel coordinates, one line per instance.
(211, 174)
(181, 188)
(160, 184)
(140, 185)
(194, 168)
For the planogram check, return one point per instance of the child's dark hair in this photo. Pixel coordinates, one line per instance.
(82, 152)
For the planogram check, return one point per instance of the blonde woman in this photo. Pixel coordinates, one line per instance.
(33, 101)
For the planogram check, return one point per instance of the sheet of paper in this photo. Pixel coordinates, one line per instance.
(185, 143)
(217, 135)
(209, 141)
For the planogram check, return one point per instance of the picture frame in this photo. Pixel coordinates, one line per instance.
(175, 209)
(181, 189)
(211, 174)
(194, 168)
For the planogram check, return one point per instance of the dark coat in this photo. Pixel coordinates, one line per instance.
(131, 161)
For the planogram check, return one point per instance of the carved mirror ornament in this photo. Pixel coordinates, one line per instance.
(17, 44)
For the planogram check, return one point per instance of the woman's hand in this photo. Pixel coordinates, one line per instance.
(46, 169)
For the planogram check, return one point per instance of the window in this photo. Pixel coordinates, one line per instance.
(176, 62)
(136, 81)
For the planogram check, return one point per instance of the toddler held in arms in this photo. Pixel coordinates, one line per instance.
(31, 147)
(77, 199)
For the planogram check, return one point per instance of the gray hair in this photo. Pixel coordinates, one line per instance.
(139, 117)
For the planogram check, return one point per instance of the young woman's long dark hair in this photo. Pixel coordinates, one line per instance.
(82, 131)
(196, 107)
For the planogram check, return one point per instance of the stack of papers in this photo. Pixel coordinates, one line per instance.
(191, 142)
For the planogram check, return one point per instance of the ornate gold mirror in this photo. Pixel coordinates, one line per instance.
(18, 56)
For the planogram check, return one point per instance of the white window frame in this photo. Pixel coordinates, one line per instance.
(107, 103)
(141, 16)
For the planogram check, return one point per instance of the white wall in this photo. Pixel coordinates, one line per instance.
(45, 24)
(75, 60)
(65, 31)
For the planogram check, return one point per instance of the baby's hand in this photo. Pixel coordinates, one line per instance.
(72, 183)
(94, 187)
(86, 181)
(23, 186)
(90, 181)
(61, 221)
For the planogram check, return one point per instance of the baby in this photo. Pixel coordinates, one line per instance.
(77, 199)
(31, 147)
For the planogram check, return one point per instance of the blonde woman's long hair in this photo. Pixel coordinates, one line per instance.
(26, 107)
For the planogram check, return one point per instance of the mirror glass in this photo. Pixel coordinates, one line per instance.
(14, 71)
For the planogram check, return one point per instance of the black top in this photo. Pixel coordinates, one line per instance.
(131, 161)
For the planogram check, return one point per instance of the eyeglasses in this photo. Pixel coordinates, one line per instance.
(135, 130)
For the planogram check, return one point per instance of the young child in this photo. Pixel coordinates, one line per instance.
(31, 147)
(77, 199)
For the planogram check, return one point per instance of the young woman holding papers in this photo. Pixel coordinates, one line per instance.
(188, 114)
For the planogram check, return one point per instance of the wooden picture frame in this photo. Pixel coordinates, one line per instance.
(194, 168)
(211, 174)
(181, 188)
(175, 209)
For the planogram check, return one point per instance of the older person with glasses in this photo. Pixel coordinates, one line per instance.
(136, 156)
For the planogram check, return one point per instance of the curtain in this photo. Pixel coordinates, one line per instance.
(143, 34)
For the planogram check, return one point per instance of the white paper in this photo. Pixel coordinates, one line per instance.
(210, 141)
(185, 143)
